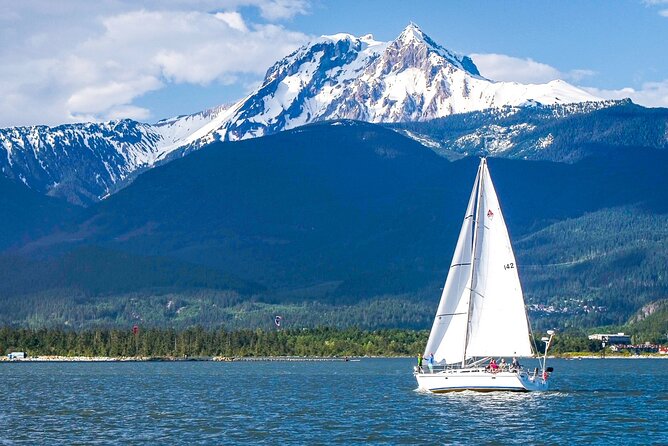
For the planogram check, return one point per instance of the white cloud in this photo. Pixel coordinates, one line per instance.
(283, 9)
(650, 94)
(234, 20)
(83, 60)
(500, 67)
(101, 97)
(579, 74)
(659, 3)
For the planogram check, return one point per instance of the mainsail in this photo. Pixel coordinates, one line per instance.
(446, 339)
(481, 312)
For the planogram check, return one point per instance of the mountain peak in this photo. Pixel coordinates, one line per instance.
(413, 33)
(411, 78)
(412, 38)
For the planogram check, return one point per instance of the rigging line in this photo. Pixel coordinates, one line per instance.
(476, 292)
(449, 314)
(533, 338)
(459, 264)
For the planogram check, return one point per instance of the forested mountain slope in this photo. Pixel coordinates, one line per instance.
(344, 215)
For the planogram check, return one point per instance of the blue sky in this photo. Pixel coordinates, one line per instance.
(78, 60)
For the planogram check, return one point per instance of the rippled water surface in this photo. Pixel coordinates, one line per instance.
(368, 402)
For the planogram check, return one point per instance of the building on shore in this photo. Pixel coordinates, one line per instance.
(619, 338)
(17, 355)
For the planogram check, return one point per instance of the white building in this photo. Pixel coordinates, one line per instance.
(619, 338)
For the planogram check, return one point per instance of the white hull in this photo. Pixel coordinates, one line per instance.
(479, 380)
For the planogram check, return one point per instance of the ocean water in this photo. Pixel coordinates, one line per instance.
(374, 401)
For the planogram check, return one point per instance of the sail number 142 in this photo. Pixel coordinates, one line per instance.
(509, 266)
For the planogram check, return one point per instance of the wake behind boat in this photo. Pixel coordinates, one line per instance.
(481, 314)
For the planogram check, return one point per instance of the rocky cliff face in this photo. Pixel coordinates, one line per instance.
(411, 78)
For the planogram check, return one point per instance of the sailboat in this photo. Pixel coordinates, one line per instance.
(481, 317)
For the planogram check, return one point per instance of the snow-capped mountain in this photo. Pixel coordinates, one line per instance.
(345, 77)
(80, 162)
(85, 162)
(411, 78)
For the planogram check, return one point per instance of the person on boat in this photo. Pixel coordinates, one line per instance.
(430, 363)
(420, 362)
(502, 364)
(493, 366)
(515, 366)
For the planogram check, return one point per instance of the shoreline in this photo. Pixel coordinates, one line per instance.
(53, 358)
(575, 358)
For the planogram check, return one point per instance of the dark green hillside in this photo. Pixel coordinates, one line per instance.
(25, 214)
(97, 271)
(344, 203)
(596, 269)
(325, 221)
(321, 204)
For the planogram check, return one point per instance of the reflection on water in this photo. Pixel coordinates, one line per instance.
(369, 402)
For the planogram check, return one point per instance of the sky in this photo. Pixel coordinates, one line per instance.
(80, 60)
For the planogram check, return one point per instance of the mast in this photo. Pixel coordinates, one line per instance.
(481, 174)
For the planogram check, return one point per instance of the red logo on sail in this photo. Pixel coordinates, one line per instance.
(490, 214)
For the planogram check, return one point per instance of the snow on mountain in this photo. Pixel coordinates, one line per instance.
(498, 130)
(561, 133)
(178, 129)
(345, 77)
(85, 162)
(411, 78)
(80, 162)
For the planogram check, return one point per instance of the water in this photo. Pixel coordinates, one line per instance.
(369, 402)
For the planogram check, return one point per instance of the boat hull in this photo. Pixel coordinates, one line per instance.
(479, 380)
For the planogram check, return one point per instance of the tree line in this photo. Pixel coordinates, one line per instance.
(201, 342)
(197, 341)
